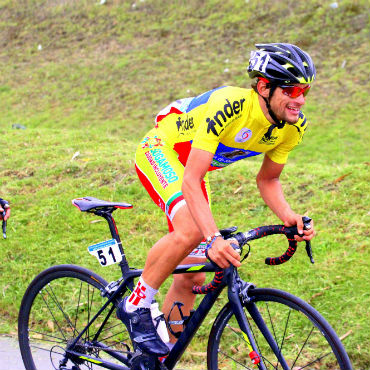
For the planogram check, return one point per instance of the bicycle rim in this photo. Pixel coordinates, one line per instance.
(305, 339)
(55, 308)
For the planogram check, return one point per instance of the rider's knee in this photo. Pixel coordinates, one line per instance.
(186, 282)
(187, 239)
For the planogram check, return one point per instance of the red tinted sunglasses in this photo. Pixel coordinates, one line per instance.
(295, 91)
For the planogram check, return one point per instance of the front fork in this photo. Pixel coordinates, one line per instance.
(238, 296)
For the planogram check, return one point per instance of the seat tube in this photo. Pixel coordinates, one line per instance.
(115, 235)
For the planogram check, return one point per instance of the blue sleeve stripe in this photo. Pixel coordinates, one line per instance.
(201, 99)
(302, 116)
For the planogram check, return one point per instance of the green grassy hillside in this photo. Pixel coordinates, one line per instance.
(80, 83)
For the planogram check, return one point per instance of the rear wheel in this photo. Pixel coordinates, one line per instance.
(304, 338)
(56, 307)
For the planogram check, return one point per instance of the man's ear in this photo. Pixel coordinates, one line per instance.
(262, 88)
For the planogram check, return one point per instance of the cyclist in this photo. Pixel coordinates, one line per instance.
(4, 208)
(195, 135)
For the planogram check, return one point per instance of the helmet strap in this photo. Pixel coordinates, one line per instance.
(279, 124)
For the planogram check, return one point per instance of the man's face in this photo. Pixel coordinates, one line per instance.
(287, 108)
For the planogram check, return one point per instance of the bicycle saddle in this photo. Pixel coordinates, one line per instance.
(90, 204)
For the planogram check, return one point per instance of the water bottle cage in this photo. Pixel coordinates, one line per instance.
(184, 319)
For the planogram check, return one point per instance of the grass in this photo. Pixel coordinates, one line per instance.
(94, 85)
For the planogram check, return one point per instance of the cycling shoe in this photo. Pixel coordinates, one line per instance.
(141, 329)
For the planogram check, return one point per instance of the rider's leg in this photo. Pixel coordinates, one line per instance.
(181, 291)
(170, 250)
(181, 287)
(162, 259)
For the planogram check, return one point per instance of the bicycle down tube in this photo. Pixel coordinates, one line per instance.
(187, 335)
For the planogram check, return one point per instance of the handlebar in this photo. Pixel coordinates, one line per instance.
(257, 233)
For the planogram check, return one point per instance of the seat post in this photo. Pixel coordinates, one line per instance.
(107, 215)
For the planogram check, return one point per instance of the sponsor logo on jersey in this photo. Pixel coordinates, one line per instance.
(163, 170)
(268, 141)
(184, 125)
(226, 155)
(151, 142)
(243, 135)
(230, 111)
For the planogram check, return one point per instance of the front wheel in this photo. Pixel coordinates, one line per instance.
(304, 338)
(56, 307)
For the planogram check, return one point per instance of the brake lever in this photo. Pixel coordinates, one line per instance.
(307, 226)
(309, 251)
(237, 248)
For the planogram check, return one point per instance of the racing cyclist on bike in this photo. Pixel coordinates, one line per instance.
(195, 135)
(4, 209)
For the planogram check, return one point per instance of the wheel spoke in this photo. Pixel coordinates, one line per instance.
(77, 308)
(50, 310)
(43, 334)
(236, 361)
(284, 336)
(57, 309)
(304, 344)
(301, 338)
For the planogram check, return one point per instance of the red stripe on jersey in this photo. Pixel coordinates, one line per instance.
(183, 150)
(174, 202)
(172, 110)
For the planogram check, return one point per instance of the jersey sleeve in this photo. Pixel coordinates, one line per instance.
(293, 137)
(223, 107)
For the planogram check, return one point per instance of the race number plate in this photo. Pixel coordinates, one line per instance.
(107, 252)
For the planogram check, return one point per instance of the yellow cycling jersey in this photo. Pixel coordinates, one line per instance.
(228, 122)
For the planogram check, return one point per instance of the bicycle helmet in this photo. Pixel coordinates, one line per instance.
(282, 64)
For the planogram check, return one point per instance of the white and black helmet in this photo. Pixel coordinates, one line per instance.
(281, 64)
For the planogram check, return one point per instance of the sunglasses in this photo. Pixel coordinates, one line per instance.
(295, 91)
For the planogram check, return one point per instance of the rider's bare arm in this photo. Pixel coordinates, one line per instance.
(272, 193)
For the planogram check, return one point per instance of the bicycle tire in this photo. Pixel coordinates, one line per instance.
(56, 306)
(305, 338)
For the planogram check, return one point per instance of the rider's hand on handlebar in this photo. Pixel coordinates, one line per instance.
(305, 235)
(222, 253)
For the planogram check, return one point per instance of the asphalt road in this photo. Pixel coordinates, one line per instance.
(10, 356)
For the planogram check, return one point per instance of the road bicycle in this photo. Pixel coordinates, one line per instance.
(69, 313)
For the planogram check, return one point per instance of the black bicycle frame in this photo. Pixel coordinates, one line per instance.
(230, 279)
(185, 337)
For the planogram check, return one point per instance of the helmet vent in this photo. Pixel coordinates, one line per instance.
(287, 64)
